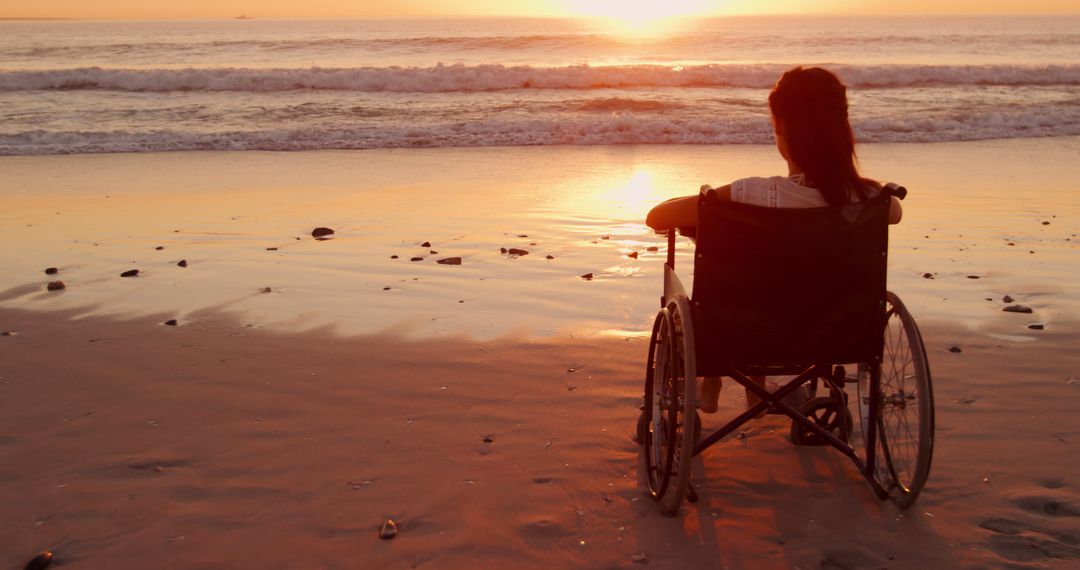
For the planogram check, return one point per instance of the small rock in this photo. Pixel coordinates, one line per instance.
(1017, 309)
(393, 257)
(171, 322)
(130, 273)
(271, 249)
(159, 248)
(955, 349)
(41, 561)
(587, 276)
(488, 439)
(972, 276)
(182, 263)
(51, 271)
(449, 261)
(1046, 223)
(266, 290)
(516, 251)
(639, 558)
(321, 232)
(433, 252)
(632, 255)
(1036, 327)
(605, 237)
(388, 530)
(426, 244)
(1006, 299)
(928, 275)
(550, 257)
(386, 288)
(523, 235)
(503, 250)
(416, 259)
(55, 285)
(652, 248)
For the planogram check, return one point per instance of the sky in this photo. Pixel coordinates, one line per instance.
(141, 9)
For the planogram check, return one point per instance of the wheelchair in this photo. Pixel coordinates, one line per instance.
(790, 292)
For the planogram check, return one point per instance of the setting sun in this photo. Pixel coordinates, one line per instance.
(639, 16)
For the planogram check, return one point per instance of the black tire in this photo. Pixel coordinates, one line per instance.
(669, 406)
(905, 418)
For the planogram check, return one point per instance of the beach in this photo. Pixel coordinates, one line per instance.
(311, 389)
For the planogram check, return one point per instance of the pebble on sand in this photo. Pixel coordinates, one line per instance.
(1006, 299)
(130, 273)
(40, 562)
(927, 275)
(1036, 327)
(416, 259)
(516, 251)
(550, 257)
(51, 271)
(449, 261)
(652, 248)
(488, 439)
(632, 255)
(388, 530)
(972, 276)
(955, 349)
(182, 263)
(503, 250)
(426, 244)
(55, 286)
(271, 249)
(160, 247)
(266, 290)
(393, 257)
(587, 276)
(321, 232)
(1017, 309)
(171, 322)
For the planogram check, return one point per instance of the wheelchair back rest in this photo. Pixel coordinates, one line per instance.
(786, 286)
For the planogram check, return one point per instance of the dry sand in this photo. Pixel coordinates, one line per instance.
(250, 437)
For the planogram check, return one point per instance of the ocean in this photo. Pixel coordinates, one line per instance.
(127, 86)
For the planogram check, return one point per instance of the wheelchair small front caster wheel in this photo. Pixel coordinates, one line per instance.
(826, 413)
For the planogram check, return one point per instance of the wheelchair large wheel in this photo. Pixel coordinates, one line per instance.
(669, 415)
(905, 409)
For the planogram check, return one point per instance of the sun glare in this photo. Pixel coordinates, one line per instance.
(639, 17)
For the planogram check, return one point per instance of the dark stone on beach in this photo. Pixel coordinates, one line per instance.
(1036, 327)
(503, 250)
(271, 249)
(550, 257)
(393, 257)
(605, 237)
(516, 251)
(40, 562)
(955, 349)
(171, 322)
(523, 235)
(55, 286)
(388, 530)
(1017, 309)
(386, 288)
(51, 271)
(1006, 299)
(927, 275)
(266, 290)
(1046, 223)
(8, 333)
(488, 439)
(426, 244)
(417, 259)
(587, 276)
(433, 252)
(972, 276)
(449, 261)
(182, 263)
(632, 255)
(321, 232)
(159, 248)
(652, 248)
(130, 273)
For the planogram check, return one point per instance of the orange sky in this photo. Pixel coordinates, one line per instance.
(412, 8)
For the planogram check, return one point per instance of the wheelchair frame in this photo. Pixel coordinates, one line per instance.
(668, 448)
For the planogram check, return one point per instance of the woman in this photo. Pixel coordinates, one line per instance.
(810, 119)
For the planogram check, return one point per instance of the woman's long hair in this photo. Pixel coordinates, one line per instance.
(811, 106)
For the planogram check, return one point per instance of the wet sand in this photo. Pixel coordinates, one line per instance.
(280, 429)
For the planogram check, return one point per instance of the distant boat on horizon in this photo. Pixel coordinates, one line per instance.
(244, 17)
